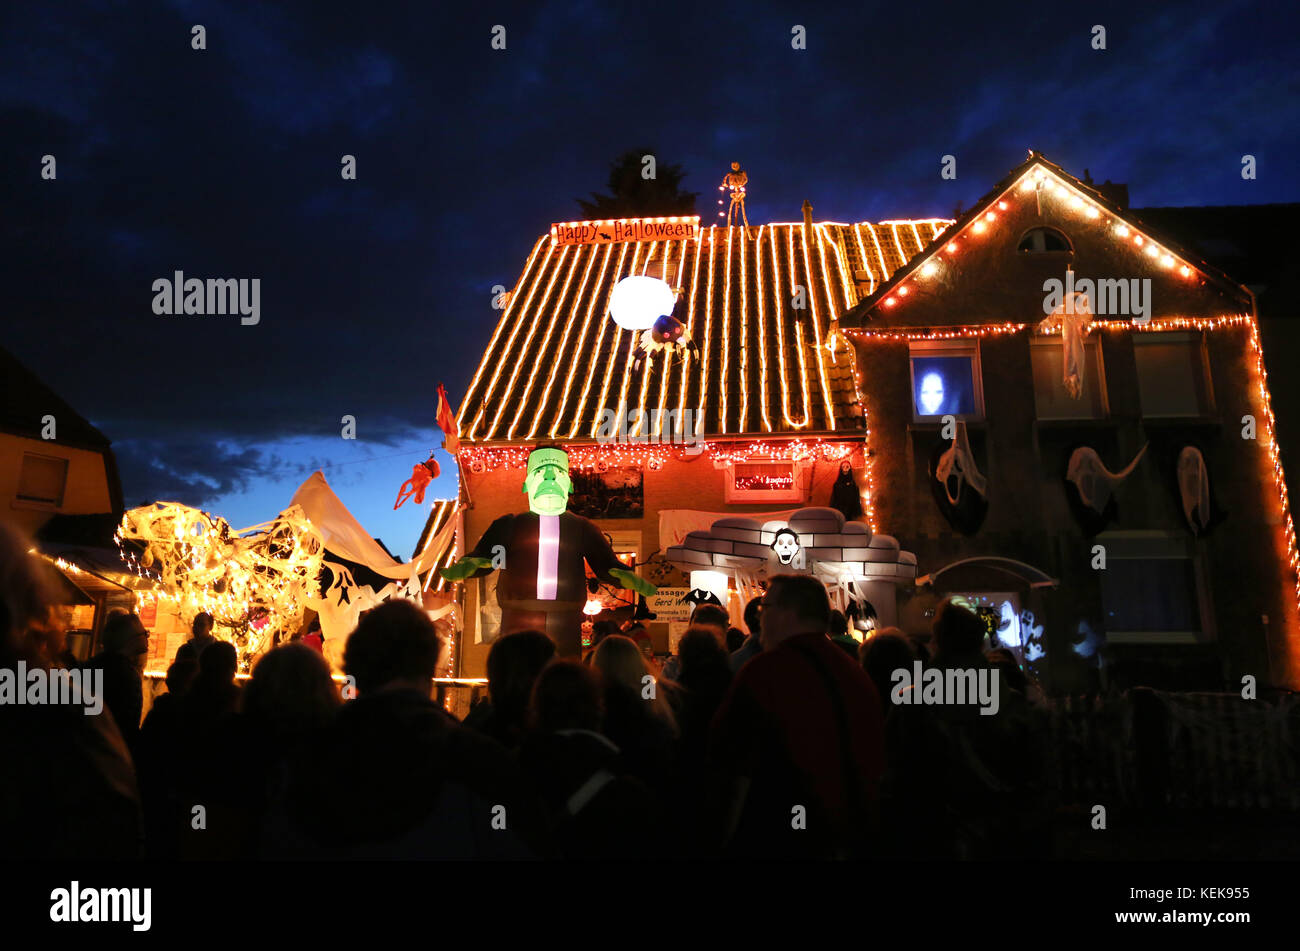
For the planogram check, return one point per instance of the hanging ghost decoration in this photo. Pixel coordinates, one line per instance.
(1089, 644)
(1091, 487)
(1194, 490)
(960, 489)
(1072, 318)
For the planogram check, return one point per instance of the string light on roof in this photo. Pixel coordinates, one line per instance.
(613, 456)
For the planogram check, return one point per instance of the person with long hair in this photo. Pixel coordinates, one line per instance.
(638, 718)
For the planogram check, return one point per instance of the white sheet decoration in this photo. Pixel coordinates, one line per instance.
(958, 463)
(676, 524)
(1094, 481)
(343, 534)
(341, 606)
(1073, 325)
(1194, 487)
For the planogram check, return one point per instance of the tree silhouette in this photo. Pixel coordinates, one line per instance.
(633, 196)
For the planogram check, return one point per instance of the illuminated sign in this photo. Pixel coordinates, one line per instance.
(678, 228)
(771, 483)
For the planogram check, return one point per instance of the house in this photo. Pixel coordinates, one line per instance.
(903, 349)
(1186, 576)
(759, 415)
(59, 485)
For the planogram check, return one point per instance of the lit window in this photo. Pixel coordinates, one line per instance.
(776, 481)
(1173, 380)
(42, 479)
(1050, 397)
(1044, 239)
(946, 380)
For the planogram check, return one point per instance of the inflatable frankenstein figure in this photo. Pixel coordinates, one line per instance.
(543, 586)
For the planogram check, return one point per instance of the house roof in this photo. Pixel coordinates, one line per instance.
(556, 359)
(439, 512)
(25, 399)
(1253, 243)
(871, 307)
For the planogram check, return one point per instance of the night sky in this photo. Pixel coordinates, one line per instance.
(225, 162)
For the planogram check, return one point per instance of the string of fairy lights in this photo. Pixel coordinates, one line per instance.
(604, 456)
(254, 582)
(1039, 181)
(542, 368)
(1155, 325)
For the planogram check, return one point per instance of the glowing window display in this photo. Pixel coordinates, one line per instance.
(946, 382)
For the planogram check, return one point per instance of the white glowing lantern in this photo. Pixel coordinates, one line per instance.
(592, 607)
(637, 302)
(711, 581)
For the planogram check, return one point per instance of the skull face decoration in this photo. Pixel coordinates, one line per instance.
(786, 545)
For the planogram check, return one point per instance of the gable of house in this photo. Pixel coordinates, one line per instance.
(975, 272)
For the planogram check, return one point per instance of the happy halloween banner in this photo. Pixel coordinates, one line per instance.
(625, 229)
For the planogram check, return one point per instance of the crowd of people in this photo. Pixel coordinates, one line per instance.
(784, 740)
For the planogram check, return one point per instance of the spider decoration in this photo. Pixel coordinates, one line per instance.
(422, 473)
(668, 335)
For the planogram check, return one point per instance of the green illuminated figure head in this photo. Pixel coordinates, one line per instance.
(547, 482)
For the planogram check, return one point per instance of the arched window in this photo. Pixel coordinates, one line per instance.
(1044, 239)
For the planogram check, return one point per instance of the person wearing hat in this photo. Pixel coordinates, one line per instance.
(543, 585)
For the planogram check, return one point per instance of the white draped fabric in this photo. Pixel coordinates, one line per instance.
(1194, 486)
(1094, 481)
(675, 524)
(959, 463)
(340, 607)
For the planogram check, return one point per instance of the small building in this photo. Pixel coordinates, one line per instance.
(59, 485)
(925, 356)
(1181, 572)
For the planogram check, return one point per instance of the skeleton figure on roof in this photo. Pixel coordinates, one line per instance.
(735, 182)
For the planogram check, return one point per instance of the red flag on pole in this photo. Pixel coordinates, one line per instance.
(447, 422)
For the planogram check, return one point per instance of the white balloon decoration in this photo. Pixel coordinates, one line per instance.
(637, 302)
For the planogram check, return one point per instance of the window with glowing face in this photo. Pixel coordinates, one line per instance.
(946, 382)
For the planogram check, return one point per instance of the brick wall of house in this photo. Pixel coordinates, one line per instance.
(690, 484)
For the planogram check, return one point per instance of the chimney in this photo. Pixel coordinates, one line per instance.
(807, 214)
(1118, 194)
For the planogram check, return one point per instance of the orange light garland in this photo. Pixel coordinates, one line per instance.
(613, 456)
(1155, 325)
